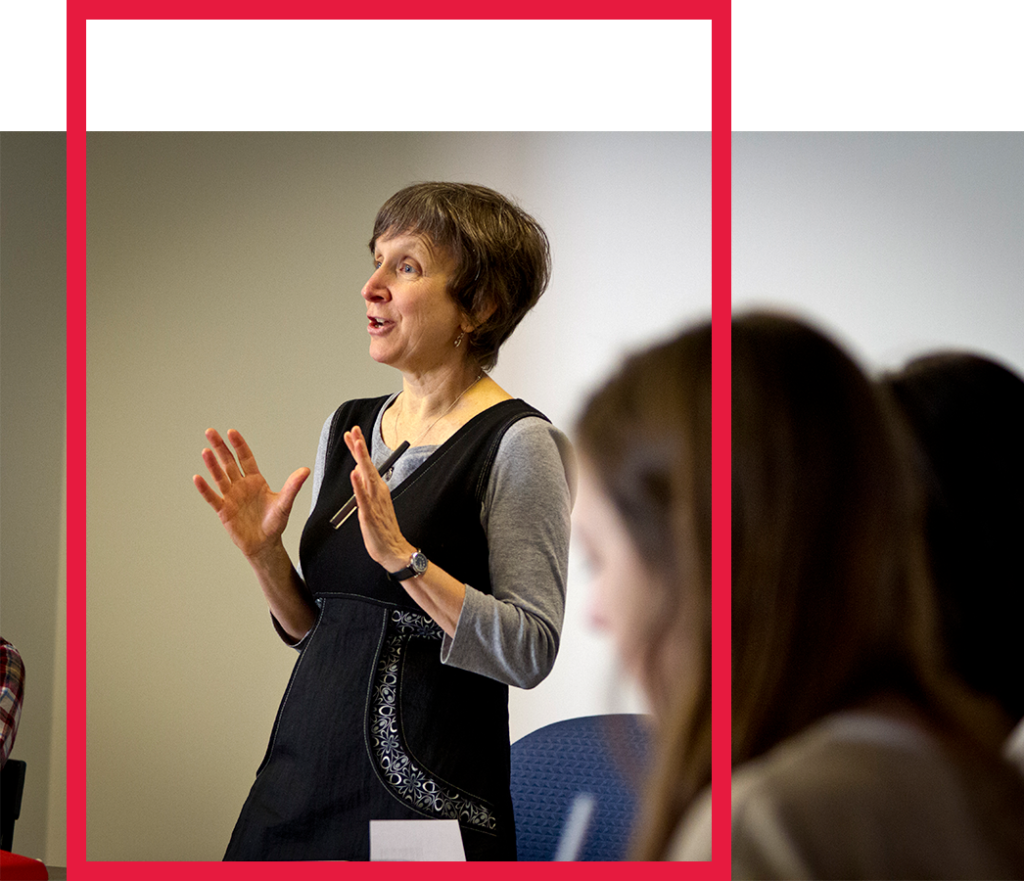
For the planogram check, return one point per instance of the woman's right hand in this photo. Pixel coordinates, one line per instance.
(254, 515)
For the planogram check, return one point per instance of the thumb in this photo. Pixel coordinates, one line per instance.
(291, 489)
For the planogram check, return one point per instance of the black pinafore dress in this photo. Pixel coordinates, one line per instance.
(372, 725)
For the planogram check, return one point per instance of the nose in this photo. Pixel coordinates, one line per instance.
(376, 288)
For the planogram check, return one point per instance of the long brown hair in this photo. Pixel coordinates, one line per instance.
(966, 411)
(646, 435)
(831, 597)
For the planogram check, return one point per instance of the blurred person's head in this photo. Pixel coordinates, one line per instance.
(831, 603)
(645, 509)
(966, 413)
(831, 600)
(643, 514)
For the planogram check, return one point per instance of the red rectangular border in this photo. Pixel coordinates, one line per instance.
(721, 440)
(78, 12)
(397, 9)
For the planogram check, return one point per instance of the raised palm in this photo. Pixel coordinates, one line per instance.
(253, 514)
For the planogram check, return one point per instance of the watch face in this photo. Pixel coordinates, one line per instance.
(419, 562)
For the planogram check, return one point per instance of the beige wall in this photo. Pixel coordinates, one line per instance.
(224, 273)
(223, 290)
(32, 547)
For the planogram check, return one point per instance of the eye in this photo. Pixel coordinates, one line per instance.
(377, 263)
(407, 268)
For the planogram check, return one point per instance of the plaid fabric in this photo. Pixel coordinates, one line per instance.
(12, 690)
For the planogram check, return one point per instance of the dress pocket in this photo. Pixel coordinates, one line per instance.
(405, 776)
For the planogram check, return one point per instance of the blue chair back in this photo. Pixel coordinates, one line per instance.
(604, 756)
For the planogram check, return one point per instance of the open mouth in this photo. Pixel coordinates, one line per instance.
(378, 323)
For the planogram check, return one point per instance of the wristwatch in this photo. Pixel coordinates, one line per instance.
(417, 566)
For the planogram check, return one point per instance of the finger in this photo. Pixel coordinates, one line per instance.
(364, 472)
(368, 486)
(365, 510)
(246, 459)
(225, 459)
(358, 490)
(291, 489)
(357, 447)
(352, 437)
(225, 456)
(374, 511)
(211, 497)
(216, 472)
(370, 500)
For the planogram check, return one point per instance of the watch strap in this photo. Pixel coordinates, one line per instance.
(412, 570)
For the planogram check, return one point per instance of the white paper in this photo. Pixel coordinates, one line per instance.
(415, 840)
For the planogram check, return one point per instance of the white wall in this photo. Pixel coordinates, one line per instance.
(33, 556)
(223, 289)
(896, 242)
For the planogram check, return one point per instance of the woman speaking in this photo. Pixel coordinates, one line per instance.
(429, 582)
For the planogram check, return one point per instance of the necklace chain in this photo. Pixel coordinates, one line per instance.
(401, 405)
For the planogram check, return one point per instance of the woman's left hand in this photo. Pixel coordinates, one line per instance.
(383, 539)
(436, 592)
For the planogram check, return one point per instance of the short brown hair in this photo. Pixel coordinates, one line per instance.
(501, 253)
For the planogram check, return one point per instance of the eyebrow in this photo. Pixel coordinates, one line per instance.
(418, 238)
(432, 261)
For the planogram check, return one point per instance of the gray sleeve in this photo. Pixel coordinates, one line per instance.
(321, 461)
(318, 479)
(512, 634)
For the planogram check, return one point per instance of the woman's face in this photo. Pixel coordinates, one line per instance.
(413, 321)
(620, 581)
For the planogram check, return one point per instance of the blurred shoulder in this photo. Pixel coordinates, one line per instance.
(857, 795)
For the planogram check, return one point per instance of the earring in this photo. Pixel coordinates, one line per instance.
(458, 342)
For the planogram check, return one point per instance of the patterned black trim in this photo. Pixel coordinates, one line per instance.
(400, 772)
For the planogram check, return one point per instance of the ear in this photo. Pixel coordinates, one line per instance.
(472, 322)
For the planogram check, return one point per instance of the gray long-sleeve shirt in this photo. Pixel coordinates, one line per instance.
(511, 634)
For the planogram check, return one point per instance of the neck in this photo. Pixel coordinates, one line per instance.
(428, 405)
(427, 396)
